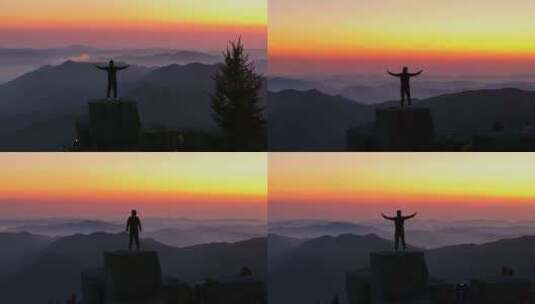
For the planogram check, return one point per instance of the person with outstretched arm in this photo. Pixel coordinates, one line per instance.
(112, 77)
(405, 78)
(399, 233)
(133, 227)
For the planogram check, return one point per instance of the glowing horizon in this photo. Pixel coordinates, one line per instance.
(121, 23)
(342, 186)
(204, 185)
(346, 35)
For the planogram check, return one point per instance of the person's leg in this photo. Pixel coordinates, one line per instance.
(137, 241)
(402, 97)
(396, 242)
(409, 96)
(403, 241)
(108, 94)
(131, 237)
(115, 89)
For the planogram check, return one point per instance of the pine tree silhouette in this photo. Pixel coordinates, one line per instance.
(235, 103)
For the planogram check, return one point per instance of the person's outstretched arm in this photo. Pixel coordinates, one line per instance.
(416, 74)
(101, 68)
(410, 216)
(393, 74)
(123, 67)
(387, 217)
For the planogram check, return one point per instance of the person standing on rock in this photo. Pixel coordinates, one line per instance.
(399, 234)
(405, 78)
(133, 227)
(112, 70)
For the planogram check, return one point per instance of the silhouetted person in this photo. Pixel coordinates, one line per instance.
(405, 78)
(399, 234)
(112, 77)
(133, 227)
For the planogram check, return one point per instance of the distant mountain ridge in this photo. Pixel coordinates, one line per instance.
(64, 229)
(171, 57)
(320, 229)
(277, 84)
(373, 89)
(18, 61)
(199, 235)
(175, 232)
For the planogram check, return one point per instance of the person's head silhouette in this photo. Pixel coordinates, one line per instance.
(134, 212)
(405, 70)
(112, 63)
(398, 212)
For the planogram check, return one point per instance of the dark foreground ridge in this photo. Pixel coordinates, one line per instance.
(136, 277)
(395, 129)
(403, 277)
(112, 126)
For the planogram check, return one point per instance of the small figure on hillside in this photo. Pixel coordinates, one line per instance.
(133, 227)
(112, 77)
(405, 78)
(399, 234)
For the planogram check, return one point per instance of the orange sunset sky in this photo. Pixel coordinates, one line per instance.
(206, 24)
(437, 185)
(367, 36)
(194, 185)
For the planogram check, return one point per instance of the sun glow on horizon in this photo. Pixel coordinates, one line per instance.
(359, 183)
(188, 22)
(93, 13)
(425, 32)
(180, 183)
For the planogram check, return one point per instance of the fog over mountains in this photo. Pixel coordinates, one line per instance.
(18, 61)
(174, 232)
(423, 234)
